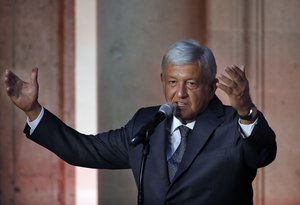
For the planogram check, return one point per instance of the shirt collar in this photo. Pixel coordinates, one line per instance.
(176, 123)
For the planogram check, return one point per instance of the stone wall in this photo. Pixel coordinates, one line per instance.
(36, 34)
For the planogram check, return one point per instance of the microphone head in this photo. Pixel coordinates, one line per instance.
(167, 109)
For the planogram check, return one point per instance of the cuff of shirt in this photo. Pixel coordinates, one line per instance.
(33, 124)
(247, 129)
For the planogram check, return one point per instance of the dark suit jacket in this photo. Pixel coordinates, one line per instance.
(218, 166)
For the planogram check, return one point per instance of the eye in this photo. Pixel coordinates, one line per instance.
(171, 82)
(191, 84)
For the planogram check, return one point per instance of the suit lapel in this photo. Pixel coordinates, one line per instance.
(158, 142)
(205, 124)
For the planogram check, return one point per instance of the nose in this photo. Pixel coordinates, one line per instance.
(182, 90)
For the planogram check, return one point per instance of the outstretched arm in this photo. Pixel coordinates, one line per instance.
(23, 94)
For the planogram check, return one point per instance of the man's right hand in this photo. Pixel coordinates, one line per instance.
(24, 95)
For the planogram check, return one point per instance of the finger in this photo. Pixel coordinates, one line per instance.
(236, 74)
(10, 91)
(225, 88)
(34, 76)
(10, 87)
(9, 78)
(6, 76)
(229, 82)
(231, 71)
(239, 70)
(11, 82)
(6, 72)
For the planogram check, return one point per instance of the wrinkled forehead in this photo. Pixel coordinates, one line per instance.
(182, 68)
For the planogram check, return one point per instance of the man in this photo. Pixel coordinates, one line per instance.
(212, 159)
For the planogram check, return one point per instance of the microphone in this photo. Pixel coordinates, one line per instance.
(165, 111)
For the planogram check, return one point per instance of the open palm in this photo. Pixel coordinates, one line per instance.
(24, 95)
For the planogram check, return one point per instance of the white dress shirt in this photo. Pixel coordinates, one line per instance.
(33, 124)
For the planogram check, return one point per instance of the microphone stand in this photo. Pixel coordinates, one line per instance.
(143, 136)
(146, 148)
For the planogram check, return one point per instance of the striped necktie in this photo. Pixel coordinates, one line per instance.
(174, 161)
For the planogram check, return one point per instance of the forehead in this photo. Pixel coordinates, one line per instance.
(187, 70)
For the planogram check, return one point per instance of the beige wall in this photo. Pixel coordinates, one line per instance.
(36, 33)
(282, 62)
(133, 35)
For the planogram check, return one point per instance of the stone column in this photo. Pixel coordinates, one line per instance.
(36, 34)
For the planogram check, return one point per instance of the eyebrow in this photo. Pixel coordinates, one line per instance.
(194, 79)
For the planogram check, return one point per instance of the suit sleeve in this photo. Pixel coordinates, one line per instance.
(107, 150)
(260, 148)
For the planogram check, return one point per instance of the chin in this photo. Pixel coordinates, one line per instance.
(182, 118)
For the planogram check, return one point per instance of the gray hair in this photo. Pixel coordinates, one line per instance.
(190, 51)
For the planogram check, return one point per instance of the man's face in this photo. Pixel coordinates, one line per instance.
(188, 90)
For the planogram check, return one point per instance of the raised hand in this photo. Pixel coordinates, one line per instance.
(24, 95)
(236, 86)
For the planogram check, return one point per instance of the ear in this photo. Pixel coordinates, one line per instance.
(213, 88)
(214, 85)
(161, 78)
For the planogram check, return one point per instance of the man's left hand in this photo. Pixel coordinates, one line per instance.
(236, 86)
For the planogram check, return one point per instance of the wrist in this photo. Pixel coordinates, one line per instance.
(250, 116)
(245, 109)
(33, 113)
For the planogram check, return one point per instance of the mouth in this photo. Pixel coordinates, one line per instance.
(180, 108)
(181, 104)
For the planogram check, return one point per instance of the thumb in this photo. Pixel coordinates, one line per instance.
(243, 68)
(34, 76)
